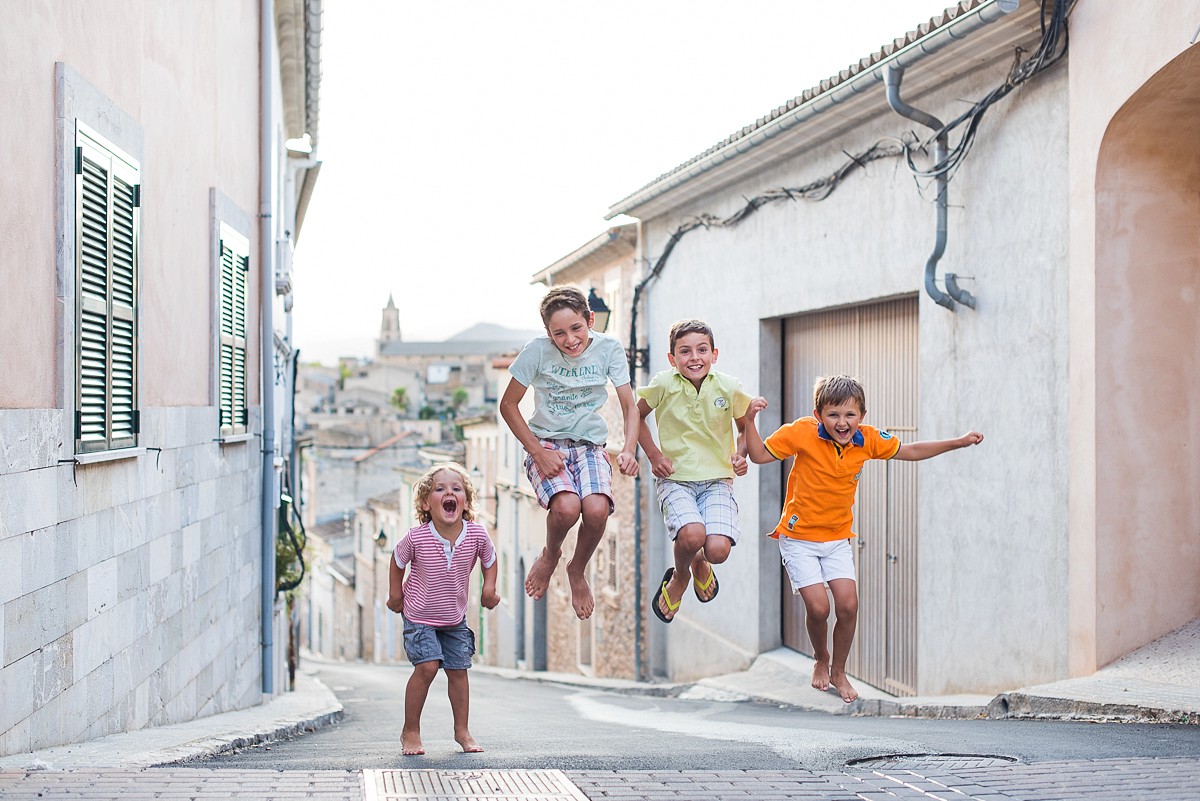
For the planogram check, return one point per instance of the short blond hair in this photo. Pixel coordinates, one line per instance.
(424, 486)
(834, 390)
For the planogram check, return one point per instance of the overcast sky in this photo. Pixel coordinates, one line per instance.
(467, 145)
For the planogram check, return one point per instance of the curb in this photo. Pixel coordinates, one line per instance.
(212, 746)
(1018, 705)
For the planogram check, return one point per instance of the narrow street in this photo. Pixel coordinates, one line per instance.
(530, 725)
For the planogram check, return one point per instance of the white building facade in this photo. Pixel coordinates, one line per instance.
(144, 328)
(1068, 538)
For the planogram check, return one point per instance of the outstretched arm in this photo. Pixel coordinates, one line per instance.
(395, 600)
(627, 461)
(916, 451)
(750, 437)
(549, 462)
(739, 457)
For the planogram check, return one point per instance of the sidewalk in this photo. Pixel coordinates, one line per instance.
(310, 706)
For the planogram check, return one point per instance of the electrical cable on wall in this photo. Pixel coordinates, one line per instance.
(1051, 49)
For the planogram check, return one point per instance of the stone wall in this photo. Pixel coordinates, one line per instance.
(131, 588)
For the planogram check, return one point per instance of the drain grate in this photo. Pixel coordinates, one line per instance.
(918, 762)
(476, 785)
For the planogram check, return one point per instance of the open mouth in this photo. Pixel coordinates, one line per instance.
(450, 506)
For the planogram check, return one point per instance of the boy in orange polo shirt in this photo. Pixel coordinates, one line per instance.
(814, 533)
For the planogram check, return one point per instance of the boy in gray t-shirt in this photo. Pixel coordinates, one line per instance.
(569, 370)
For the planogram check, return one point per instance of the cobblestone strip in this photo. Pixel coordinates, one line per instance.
(910, 784)
(725, 785)
(177, 784)
(1160, 779)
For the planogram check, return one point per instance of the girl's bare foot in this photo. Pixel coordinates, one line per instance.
(821, 676)
(410, 741)
(842, 685)
(581, 595)
(539, 575)
(469, 746)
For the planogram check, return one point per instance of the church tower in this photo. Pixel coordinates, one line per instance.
(389, 329)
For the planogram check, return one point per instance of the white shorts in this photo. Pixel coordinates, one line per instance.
(808, 563)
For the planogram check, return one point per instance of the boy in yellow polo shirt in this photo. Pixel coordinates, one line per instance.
(696, 409)
(814, 533)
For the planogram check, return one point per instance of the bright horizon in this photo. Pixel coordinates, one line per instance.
(467, 146)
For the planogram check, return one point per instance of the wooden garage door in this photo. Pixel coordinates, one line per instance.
(877, 343)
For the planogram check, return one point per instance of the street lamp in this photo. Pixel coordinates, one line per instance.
(599, 309)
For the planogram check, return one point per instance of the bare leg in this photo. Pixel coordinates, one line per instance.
(414, 701)
(688, 542)
(715, 552)
(845, 605)
(459, 690)
(562, 514)
(591, 531)
(816, 621)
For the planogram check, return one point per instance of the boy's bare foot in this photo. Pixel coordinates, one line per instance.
(581, 595)
(702, 581)
(675, 590)
(539, 575)
(469, 746)
(411, 743)
(821, 676)
(842, 685)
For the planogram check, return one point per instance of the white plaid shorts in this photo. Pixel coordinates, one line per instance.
(710, 503)
(587, 471)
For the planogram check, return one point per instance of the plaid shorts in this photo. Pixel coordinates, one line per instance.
(710, 503)
(587, 471)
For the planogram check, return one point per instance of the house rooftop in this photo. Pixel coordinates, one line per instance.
(764, 134)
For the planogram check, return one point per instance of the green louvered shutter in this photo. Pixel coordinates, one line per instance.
(107, 212)
(235, 265)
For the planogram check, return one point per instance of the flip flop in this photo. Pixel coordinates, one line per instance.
(661, 591)
(712, 582)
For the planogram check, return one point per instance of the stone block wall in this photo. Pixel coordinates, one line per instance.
(130, 589)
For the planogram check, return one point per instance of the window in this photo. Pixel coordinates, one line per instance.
(234, 267)
(107, 206)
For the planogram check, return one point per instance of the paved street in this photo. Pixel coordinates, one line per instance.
(532, 725)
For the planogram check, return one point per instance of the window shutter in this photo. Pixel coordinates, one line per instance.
(106, 297)
(235, 262)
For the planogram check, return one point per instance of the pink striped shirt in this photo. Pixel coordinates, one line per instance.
(437, 577)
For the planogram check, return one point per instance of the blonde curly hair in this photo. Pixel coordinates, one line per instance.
(424, 486)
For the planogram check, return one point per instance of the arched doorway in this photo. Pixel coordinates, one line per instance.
(1147, 362)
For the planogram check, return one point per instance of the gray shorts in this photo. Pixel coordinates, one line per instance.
(709, 503)
(453, 646)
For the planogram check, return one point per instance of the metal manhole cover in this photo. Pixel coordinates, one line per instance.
(476, 785)
(946, 762)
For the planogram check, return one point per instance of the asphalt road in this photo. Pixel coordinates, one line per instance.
(525, 724)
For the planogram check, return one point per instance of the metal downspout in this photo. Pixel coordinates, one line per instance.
(637, 522)
(892, 77)
(266, 247)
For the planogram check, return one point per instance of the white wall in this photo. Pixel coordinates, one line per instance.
(993, 520)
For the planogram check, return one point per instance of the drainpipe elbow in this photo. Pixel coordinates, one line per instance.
(958, 293)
